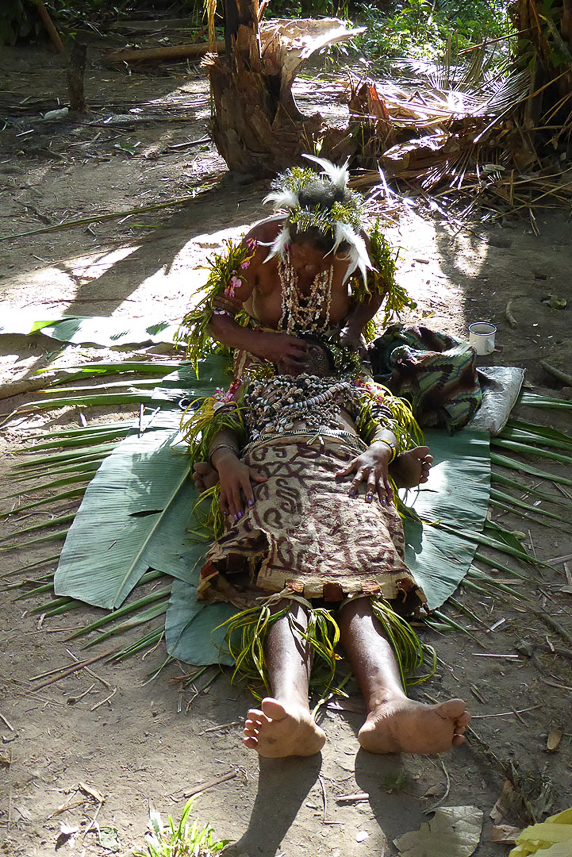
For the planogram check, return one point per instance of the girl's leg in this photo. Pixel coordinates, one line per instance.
(394, 724)
(284, 726)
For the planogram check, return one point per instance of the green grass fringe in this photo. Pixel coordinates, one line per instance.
(247, 631)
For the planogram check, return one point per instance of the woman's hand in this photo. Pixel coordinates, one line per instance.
(236, 481)
(354, 340)
(371, 467)
(289, 351)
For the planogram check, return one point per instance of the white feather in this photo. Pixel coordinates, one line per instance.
(339, 176)
(357, 254)
(278, 246)
(283, 199)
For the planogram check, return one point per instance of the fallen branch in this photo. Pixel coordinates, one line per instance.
(65, 671)
(16, 388)
(557, 373)
(210, 784)
(171, 52)
(49, 25)
(84, 220)
(509, 316)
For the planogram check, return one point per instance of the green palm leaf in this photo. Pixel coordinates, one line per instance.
(533, 400)
(544, 431)
(500, 479)
(138, 507)
(529, 437)
(525, 449)
(515, 464)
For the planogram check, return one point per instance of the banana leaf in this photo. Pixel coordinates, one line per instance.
(192, 628)
(458, 493)
(106, 331)
(137, 508)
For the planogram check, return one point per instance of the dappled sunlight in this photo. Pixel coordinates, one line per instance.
(470, 253)
(180, 281)
(428, 273)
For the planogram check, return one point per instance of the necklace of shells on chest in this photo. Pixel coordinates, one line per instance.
(298, 311)
(274, 405)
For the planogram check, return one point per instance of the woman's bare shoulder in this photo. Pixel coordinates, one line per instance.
(266, 230)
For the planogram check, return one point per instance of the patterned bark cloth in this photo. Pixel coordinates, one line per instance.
(306, 534)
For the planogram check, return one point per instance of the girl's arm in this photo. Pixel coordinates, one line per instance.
(236, 478)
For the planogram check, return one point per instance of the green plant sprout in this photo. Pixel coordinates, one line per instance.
(184, 839)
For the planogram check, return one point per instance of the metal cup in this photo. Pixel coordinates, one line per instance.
(482, 337)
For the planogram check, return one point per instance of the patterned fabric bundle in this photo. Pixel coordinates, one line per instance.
(435, 372)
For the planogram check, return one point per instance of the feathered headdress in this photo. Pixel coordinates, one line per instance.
(342, 220)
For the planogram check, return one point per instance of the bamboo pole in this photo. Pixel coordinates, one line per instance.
(49, 25)
(171, 52)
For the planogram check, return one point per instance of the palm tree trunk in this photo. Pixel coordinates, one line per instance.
(257, 127)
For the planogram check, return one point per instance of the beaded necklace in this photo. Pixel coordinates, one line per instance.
(274, 405)
(300, 313)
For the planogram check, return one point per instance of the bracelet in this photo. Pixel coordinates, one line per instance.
(222, 446)
(391, 445)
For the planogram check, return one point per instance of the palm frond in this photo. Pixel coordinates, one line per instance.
(53, 498)
(535, 428)
(500, 479)
(515, 464)
(132, 607)
(534, 400)
(141, 619)
(525, 449)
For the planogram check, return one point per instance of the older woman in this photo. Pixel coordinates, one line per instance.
(309, 269)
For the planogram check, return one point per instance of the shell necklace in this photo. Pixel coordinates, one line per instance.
(275, 404)
(300, 313)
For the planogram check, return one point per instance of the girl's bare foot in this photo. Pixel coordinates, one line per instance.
(411, 468)
(406, 726)
(279, 730)
(204, 475)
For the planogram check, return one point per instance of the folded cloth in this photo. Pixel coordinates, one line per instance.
(436, 372)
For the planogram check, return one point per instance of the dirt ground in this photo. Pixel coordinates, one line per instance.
(137, 743)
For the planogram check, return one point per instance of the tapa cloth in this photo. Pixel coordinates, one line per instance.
(305, 534)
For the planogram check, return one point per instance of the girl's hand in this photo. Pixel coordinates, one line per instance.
(371, 467)
(236, 481)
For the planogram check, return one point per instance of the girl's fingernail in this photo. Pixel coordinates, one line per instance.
(235, 518)
(240, 514)
(250, 502)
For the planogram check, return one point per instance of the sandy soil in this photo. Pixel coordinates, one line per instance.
(136, 743)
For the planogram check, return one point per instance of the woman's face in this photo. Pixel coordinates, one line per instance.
(307, 259)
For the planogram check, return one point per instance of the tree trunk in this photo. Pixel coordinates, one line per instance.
(76, 72)
(257, 127)
(549, 33)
